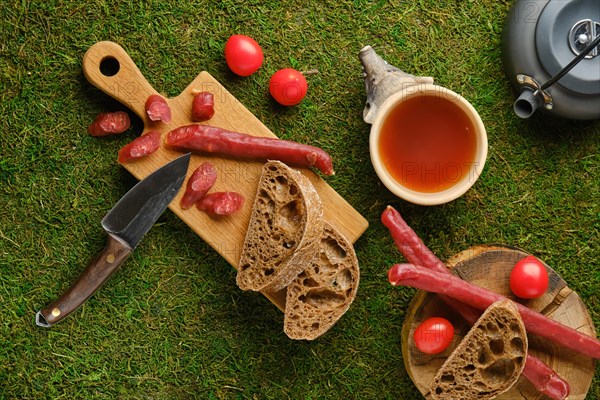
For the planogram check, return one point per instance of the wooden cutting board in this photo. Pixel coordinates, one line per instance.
(489, 267)
(107, 66)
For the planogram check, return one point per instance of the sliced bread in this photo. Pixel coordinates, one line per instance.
(285, 226)
(323, 292)
(488, 361)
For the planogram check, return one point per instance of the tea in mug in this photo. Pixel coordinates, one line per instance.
(428, 143)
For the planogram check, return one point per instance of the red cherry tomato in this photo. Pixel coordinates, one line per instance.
(288, 86)
(434, 335)
(243, 55)
(529, 278)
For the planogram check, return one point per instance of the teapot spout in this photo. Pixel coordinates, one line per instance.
(527, 102)
(383, 80)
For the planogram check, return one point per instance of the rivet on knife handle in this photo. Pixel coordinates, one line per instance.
(90, 280)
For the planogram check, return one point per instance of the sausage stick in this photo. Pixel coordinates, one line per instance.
(211, 139)
(409, 243)
(450, 285)
(544, 378)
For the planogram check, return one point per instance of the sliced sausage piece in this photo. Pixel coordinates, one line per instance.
(158, 109)
(203, 106)
(221, 203)
(110, 123)
(140, 147)
(202, 179)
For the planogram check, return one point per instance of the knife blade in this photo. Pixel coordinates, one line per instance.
(125, 224)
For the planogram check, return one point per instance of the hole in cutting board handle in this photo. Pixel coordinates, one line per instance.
(109, 66)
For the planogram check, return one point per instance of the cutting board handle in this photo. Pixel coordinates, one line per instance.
(107, 66)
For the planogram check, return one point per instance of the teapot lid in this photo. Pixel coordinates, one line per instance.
(563, 30)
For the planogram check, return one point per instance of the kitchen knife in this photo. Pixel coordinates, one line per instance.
(127, 222)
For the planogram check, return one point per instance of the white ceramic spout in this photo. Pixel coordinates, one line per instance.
(383, 80)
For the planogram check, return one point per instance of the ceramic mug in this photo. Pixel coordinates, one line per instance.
(428, 144)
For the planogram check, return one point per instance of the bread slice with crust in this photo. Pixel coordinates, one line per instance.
(488, 361)
(323, 292)
(285, 226)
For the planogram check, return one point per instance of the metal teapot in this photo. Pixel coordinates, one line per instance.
(551, 51)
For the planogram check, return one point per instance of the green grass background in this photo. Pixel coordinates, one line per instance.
(171, 324)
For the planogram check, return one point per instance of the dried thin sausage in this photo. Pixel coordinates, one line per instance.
(210, 139)
(545, 379)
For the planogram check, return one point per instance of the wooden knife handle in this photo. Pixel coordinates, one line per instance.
(107, 66)
(90, 280)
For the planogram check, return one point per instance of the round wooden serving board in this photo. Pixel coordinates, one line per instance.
(489, 267)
